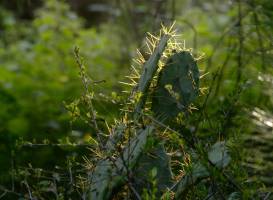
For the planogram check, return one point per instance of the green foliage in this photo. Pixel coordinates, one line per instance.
(38, 73)
(165, 143)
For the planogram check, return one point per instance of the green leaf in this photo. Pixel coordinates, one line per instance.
(218, 155)
(234, 196)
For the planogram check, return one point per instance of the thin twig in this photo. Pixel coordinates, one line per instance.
(55, 145)
(28, 189)
(221, 38)
(134, 191)
(241, 43)
(5, 190)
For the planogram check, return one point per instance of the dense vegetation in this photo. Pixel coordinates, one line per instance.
(186, 116)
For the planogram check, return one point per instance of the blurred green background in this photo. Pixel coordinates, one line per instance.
(38, 73)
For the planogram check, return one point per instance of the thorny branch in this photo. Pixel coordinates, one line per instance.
(85, 82)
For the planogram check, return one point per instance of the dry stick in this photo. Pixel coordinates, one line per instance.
(257, 21)
(28, 189)
(194, 32)
(241, 44)
(126, 164)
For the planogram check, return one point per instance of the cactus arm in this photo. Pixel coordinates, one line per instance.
(149, 70)
(109, 175)
(134, 149)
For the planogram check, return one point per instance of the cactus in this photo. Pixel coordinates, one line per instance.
(177, 86)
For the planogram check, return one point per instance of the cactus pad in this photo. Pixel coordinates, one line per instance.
(158, 159)
(177, 86)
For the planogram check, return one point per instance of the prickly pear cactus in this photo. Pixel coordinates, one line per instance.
(177, 86)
